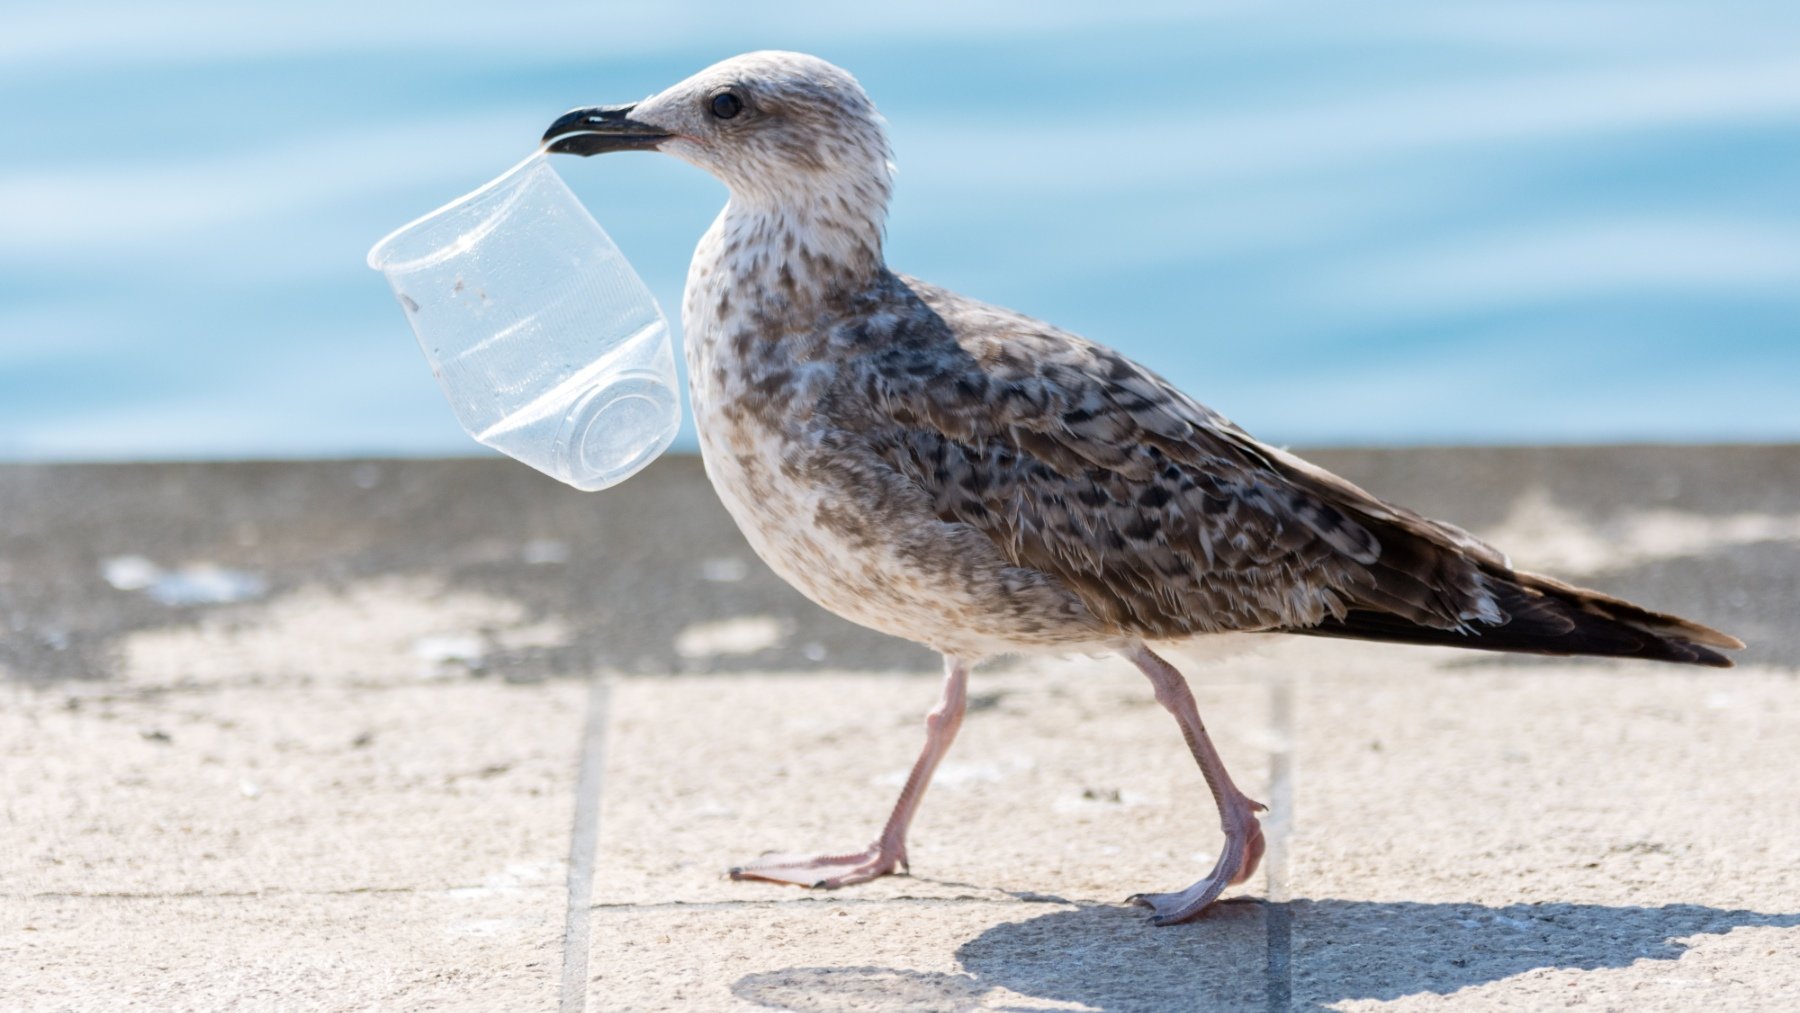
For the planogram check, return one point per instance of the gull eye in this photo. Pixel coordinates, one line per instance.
(725, 105)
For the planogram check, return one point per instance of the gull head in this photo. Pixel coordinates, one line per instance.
(778, 128)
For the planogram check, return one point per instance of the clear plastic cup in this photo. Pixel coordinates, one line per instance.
(546, 342)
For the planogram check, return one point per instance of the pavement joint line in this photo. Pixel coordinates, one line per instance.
(100, 692)
(349, 891)
(1278, 975)
(751, 905)
(584, 841)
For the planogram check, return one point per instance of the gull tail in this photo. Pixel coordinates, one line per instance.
(1546, 616)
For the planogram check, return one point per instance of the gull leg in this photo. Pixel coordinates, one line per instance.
(1237, 813)
(888, 853)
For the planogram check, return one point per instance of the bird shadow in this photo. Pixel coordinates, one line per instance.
(1304, 955)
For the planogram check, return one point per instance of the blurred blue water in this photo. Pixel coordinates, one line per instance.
(1407, 222)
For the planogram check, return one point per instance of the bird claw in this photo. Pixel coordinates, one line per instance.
(1175, 908)
(1243, 853)
(1171, 908)
(825, 872)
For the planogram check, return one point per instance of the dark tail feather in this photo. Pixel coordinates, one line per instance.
(1546, 616)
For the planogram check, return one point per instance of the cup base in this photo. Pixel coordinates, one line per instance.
(617, 429)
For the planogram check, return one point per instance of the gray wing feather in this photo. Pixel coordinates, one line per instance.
(1162, 515)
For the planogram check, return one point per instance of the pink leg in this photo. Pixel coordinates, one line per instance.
(1237, 813)
(889, 850)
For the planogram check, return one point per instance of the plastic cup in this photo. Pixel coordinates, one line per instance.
(546, 342)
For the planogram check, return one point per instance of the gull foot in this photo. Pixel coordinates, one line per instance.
(825, 872)
(1243, 852)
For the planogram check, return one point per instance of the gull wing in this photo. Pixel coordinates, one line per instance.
(1164, 517)
(1168, 520)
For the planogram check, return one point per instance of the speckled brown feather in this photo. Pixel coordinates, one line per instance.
(1166, 519)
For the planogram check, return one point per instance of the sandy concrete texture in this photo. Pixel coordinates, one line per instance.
(403, 950)
(444, 735)
(1619, 835)
(1067, 780)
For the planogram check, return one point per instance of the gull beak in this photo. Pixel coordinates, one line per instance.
(599, 129)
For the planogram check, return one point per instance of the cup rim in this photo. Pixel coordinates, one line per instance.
(380, 255)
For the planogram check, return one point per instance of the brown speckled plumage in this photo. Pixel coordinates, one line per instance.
(982, 482)
(931, 413)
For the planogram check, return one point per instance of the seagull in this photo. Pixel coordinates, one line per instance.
(985, 484)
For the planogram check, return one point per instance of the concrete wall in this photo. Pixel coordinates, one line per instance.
(1705, 532)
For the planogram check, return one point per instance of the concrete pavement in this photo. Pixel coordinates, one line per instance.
(442, 735)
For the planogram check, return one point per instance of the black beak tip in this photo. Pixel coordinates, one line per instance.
(599, 129)
(567, 123)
